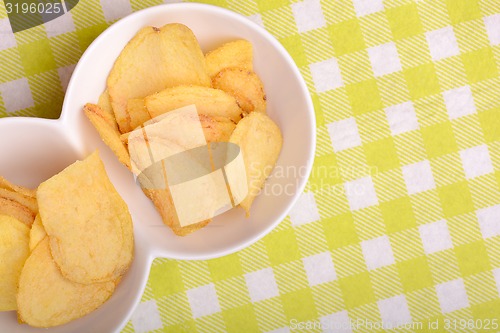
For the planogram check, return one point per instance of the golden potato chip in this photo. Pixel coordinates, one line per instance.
(4, 183)
(46, 298)
(163, 202)
(237, 53)
(87, 222)
(109, 134)
(105, 105)
(245, 86)
(137, 111)
(260, 141)
(14, 238)
(28, 202)
(37, 232)
(208, 101)
(216, 129)
(153, 60)
(16, 210)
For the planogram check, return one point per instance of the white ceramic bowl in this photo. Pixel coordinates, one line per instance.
(32, 150)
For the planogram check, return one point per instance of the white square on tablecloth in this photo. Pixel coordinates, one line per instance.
(337, 322)
(146, 317)
(60, 25)
(377, 252)
(261, 284)
(360, 193)
(257, 19)
(492, 24)
(7, 39)
(308, 15)
(115, 9)
(442, 43)
(319, 268)
(394, 311)
(452, 295)
(203, 300)
(489, 221)
(476, 161)
(366, 7)
(16, 95)
(435, 236)
(344, 134)
(326, 75)
(459, 102)
(384, 59)
(65, 75)
(401, 118)
(285, 329)
(305, 210)
(418, 177)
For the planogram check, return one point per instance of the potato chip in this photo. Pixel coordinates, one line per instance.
(208, 101)
(87, 222)
(46, 298)
(109, 134)
(4, 183)
(28, 202)
(105, 105)
(216, 129)
(153, 60)
(260, 141)
(137, 112)
(14, 238)
(37, 232)
(245, 86)
(237, 53)
(16, 210)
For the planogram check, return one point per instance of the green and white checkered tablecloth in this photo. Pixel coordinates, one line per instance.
(400, 221)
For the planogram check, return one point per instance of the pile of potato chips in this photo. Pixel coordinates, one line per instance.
(63, 247)
(163, 69)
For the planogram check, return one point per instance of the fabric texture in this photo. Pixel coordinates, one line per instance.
(400, 221)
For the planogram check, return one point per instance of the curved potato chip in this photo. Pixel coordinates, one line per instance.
(216, 129)
(37, 233)
(108, 114)
(45, 298)
(109, 134)
(245, 86)
(88, 223)
(4, 183)
(14, 238)
(153, 60)
(16, 210)
(254, 133)
(137, 112)
(28, 202)
(237, 53)
(208, 101)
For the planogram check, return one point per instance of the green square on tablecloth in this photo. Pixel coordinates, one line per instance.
(36, 57)
(490, 122)
(87, 35)
(356, 290)
(439, 139)
(340, 231)
(265, 5)
(404, 21)
(299, 305)
(455, 199)
(463, 10)
(364, 96)
(480, 65)
(293, 44)
(347, 37)
(166, 278)
(472, 258)
(415, 274)
(225, 267)
(240, 319)
(398, 214)
(422, 80)
(282, 246)
(382, 154)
